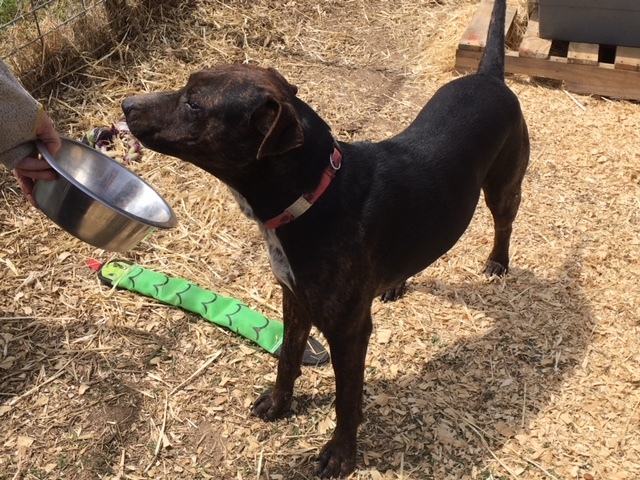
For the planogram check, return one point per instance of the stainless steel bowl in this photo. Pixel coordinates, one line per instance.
(98, 200)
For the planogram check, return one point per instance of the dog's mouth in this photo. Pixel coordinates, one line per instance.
(167, 139)
(150, 120)
(151, 133)
(152, 139)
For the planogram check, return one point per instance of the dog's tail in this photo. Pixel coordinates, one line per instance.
(492, 62)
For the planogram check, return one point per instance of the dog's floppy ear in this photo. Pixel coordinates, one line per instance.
(281, 126)
(293, 90)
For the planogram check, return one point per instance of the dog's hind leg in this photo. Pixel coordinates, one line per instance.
(274, 403)
(502, 193)
(395, 293)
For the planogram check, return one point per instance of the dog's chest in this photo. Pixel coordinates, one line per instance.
(277, 256)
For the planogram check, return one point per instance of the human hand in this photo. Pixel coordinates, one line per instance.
(30, 169)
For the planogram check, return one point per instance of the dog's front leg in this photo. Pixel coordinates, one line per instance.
(273, 403)
(348, 352)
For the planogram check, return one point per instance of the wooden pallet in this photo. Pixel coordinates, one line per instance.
(584, 67)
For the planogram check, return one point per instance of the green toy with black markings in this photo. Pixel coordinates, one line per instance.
(223, 311)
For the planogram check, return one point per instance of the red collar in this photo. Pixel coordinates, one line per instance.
(304, 203)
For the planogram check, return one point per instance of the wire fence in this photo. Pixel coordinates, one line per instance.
(43, 41)
(32, 21)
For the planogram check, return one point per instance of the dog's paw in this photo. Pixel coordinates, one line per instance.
(395, 293)
(493, 268)
(336, 460)
(269, 408)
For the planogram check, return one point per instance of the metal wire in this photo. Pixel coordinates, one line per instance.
(34, 15)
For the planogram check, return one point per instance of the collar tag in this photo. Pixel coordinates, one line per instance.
(298, 207)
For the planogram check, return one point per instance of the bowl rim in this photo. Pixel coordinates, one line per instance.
(170, 223)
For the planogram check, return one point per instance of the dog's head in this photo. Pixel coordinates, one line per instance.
(223, 119)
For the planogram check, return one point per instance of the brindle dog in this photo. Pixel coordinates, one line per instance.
(345, 223)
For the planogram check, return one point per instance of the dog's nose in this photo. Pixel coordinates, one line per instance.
(127, 106)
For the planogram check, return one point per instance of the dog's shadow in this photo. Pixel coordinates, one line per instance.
(441, 418)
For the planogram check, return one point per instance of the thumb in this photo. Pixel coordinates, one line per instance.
(46, 133)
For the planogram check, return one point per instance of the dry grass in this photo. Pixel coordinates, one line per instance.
(536, 376)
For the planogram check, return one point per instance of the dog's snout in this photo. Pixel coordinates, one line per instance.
(127, 106)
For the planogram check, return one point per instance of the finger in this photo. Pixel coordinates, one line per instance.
(35, 168)
(48, 174)
(33, 163)
(26, 185)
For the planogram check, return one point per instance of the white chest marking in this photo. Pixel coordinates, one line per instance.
(277, 256)
(278, 259)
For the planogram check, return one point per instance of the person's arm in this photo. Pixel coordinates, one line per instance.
(22, 120)
(19, 114)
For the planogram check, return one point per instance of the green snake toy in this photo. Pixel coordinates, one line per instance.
(223, 311)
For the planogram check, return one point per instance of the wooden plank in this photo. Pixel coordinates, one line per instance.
(607, 89)
(583, 53)
(599, 80)
(627, 58)
(532, 46)
(475, 36)
(581, 71)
